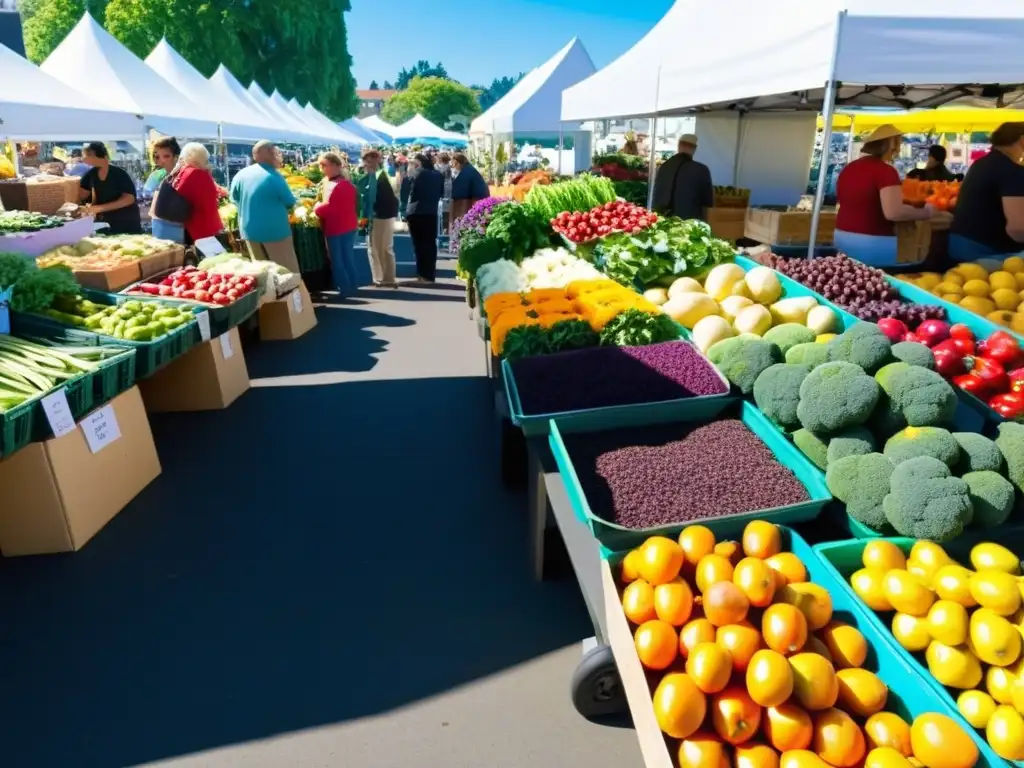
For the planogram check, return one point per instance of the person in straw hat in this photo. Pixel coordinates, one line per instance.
(870, 197)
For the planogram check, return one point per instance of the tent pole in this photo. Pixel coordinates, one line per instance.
(651, 170)
(826, 136)
(561, 140)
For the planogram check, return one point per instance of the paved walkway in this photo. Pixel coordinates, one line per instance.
(328, 574)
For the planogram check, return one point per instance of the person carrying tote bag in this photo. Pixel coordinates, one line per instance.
(169, 204)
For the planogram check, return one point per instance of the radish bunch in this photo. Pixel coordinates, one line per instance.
(584, 226)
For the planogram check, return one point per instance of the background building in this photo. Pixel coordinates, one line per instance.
(372, 102)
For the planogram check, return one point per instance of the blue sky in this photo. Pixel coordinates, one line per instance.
(478, 40)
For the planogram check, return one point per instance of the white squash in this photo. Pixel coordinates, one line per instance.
(764, 285)
(711, 330)
(755, 319)
(822, 319)
(656, 295)
(684, 285)
(721, 279)
(733, 305)
(793, 310)
(688, 309)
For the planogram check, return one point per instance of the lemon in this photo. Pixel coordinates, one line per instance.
(995, 590)
(1000, 317)
(994, 557)
(948, 287)
(976, 707)
(883, 554)
(999, 683)
(1019, 277)
(1005, 733)
(1002, 279)
(951, 298)
(971, 271)
(911, 632)
(948, 622)
(977, 288)
(868, 584)
(1005, 298)
(953, 582)
(978, 304)
(954, 277)
(955, 667)
(1017, 324)
(1014, 264)
(929, 280)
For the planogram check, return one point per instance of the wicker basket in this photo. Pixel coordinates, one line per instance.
(913, 240)
(38, 196)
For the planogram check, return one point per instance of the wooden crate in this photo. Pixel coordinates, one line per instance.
(39, 196)
(727, 223)
(774, 227)
(913, 241)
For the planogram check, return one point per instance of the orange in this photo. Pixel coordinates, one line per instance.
(725, 603)
(660, 560)
(673, 602)
(769, 678)
(734, 715)
(630, 567)
(696, 542)
(801, 758)
(815, 684)
(813, 601)
(756, 756)
(756, 579)
(730, 550)
(788, 568)
(838, 740)
(742, 641)
(710, 667)
(694, 633)
(761, 539)
(814, 645)
(712, 569)
(939, 742)
(788, 727)
(784, 628)
(679, 705)
(885, 729)
(861, 692)
(846, 645)
(703, 750)
(656, 643)
(638, 602)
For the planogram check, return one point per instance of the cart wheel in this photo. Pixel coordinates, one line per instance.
(596, 687)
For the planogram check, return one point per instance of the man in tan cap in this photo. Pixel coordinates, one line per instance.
(683, 186)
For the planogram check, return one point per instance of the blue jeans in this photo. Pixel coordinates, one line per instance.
(963, 249)
(874, 250)
(343, 262)
(168, 230)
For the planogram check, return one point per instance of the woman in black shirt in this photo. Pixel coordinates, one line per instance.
(109, 192)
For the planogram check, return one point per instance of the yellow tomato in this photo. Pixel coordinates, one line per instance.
(994, 557)
(976, 707)
(868, 584)
(861, 692)
(994, 639)
(997, 591)
(883, 554)
(1005, 733)
(948, 622)
(886, 757)
(953, 582)
(955, 667)
(906, 594)
(938, 741)
(911, 632)
(1000, 683)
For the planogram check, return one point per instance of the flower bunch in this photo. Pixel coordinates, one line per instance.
(474, 220)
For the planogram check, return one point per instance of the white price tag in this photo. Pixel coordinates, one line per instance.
(297, 301)
(58, 412)
(5, 312)
(101, 428)
(203, 318)
(225, 346)
(209, 246)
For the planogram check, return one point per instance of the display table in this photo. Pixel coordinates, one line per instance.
(37, 243)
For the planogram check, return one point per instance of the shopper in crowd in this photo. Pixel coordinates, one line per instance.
(194, 182)
(427, 189)
(380, 207)
(935, 167)
(337, 213)
(468, 186)
(109, 192)
(165, 157)
(870, 198)
(77, 166)
(264, 202)
(989, 217)
(682, 186)
(404, 185)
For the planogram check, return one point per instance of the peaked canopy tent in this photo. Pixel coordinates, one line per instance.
(318, 120)
(331, 133)
(352, 125)
(227, 88)
(91, 61)
(418, 127)
(378, 126)
(36, 106)
(285, 119)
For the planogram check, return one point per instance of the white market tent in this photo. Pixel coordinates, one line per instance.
(331, 132)
(321, 123)
(36, 106)
(227, 88)
(418, 127)
(375, 124)
(284, 118)
(91, 61)
(352, 125)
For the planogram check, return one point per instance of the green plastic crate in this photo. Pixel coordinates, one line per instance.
(115, 375)
(617, 538)
(842, 558)
(16, 427)
(222, 318)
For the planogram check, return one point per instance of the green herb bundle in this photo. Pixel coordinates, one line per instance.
(583, 193)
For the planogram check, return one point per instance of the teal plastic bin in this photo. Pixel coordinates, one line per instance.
(617, 538)
(842, 558)
(222, 318)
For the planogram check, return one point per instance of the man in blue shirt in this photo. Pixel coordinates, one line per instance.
(264, 202)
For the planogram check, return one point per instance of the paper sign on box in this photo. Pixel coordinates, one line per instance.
(101, 428)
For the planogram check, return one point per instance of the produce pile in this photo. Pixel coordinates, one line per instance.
(35, 288)
(964, 623)
(131, 320)
(228, 212)
(20, 222)
(272, 280)
(731, 197)
(583, 193)
(604, 377)
(941, 195)
(647, 477)
(730, 301)
(30, 369)
(992, 289)
(194, 284)
(603, 220)
(473, 223)
(512, 231)
(583, 314)
(618, 166)
(546, 268)
(103, 253)
(751, 668)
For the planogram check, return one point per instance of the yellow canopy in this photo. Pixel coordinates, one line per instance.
(951, 120)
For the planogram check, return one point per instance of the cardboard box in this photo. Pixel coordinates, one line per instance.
(772, 227)
(288, 317)
(208, 377)
(727, 223)
(56, 495)
(162, 261)
(109, 280)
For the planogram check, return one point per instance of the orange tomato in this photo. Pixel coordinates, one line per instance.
(769, 678)
(702, 750)
(679, 705)
(813, 601)
(846, 645)
(694, 633)
(885, 729)
(734, 715)
(724, 603)
(673, 602)
(939, 742)
(814, 645)
(630, 567)
(815, 684)
(886, 757)
(638, 602)
(712, 569)
(838, 740)
(861, 692)
(784, 628)
(710, 667)
(730, 550)
(756, 756)
(756, 579)
(761, 539)
(788, 727)
(696, 542)
(656, 643)
(742, 641)
(660, 560)
(801, 758)
(788, 568)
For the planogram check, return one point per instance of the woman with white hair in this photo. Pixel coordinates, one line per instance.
(196, 193)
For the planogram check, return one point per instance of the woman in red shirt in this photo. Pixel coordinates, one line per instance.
(870, 197)
(337, 213)
(193, 181)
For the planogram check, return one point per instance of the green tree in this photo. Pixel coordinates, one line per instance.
(46, 22)
(421, 68)
(373, 86)
(489, 95)
(435, 98)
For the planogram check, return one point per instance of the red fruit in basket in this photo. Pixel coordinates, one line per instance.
(164, 290)
(202, 285)
(949, 360)
(933, 332)
(895, 329)
(1009, 405)
(1003, 347)
(203, 296)
(189, 294)
(166, 281)
(963, 337)
(232, 295)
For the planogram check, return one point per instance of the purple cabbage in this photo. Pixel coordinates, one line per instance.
(600, 377)
(476, 218)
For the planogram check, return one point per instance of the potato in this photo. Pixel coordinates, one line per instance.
(764, 285)
(656, 296)
(754, 319)
(793, 310)
(684, 285)
(733, 305)
(721, 279)
(710, 330)
(689, 308)
(822, 319)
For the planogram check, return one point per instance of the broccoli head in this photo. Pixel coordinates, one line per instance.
(777, 393)
(914, 354)
(921, 396)
(718, 350)
(913, 442)
(1010, 442)
(977, 454)
(741, 363)
(856, 441)
(992, 497)
(864, 345)
(835, 396)
(812, 354)
(861, 482)
(926, 502)
(813, 446)
(788, 335)
(886, 420)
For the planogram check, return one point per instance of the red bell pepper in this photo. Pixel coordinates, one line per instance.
(1003, 348)
(970, 382)
(1016, 377)
(949, 360)
(991, 372)
(1009, 405)
(963, 337)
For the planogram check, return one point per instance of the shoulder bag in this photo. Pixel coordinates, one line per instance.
(170, 204)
